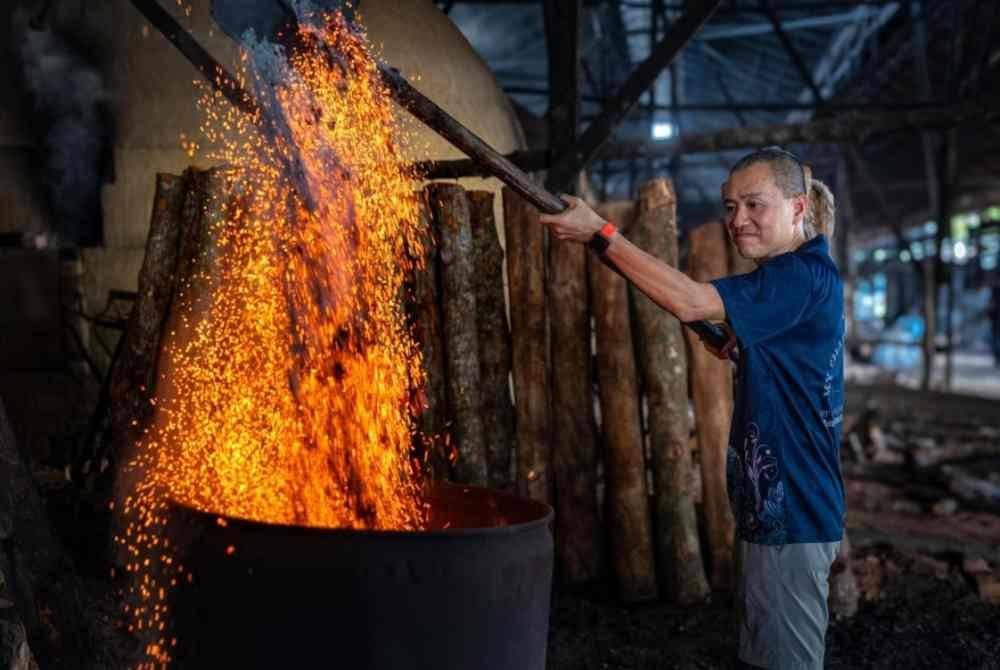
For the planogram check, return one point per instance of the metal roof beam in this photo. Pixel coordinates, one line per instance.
(789, 47)
(843, 128)
(619, 106)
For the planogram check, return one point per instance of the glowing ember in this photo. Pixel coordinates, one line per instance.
(286, 389)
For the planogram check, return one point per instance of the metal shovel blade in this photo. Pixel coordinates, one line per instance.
(267, 17)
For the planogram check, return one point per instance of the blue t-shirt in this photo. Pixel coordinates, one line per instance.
(783, 465)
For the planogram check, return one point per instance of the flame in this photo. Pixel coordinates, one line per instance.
(286, 388)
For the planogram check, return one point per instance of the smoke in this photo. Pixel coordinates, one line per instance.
(71, 111)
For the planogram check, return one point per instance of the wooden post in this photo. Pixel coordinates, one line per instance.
(136, 375)
(574, 442)
(712, 391)
(497, 411)
(425, 317)
(626, 498)
(450, 207)
(133, 379)
(204, 198)
(526, 287)
(663, 364)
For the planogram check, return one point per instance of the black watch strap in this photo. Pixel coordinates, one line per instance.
(601, 240)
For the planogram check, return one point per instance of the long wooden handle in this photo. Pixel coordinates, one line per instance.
(468, 142)
(472, 145)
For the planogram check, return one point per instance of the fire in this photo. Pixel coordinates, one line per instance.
(286, 389)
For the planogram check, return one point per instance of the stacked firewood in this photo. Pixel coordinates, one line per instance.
(600, 384)
(459, 319)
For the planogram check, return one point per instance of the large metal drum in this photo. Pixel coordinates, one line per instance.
(470, 593)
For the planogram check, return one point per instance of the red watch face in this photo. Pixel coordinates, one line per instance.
(608, 229)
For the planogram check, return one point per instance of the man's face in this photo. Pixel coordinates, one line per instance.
(761, 221)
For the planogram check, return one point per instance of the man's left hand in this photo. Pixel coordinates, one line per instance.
(577, 223)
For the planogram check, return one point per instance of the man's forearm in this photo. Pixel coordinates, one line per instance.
(669, 288)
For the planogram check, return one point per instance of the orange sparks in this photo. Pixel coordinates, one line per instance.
(288, 371)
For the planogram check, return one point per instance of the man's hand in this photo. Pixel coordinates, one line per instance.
(578, 223)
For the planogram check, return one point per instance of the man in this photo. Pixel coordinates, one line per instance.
(783, 467)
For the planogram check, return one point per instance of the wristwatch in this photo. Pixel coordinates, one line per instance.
(601, 240)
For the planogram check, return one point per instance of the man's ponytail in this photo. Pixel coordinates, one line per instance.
(821, 217)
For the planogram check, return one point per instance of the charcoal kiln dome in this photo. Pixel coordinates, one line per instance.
(156, 104)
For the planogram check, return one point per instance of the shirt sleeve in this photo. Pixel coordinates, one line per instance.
(767, 301)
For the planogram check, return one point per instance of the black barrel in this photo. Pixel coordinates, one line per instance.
(470, 593)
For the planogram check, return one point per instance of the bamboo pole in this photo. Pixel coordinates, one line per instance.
(663, 364)
(425, 319)
(712, 392)
(574, 444)
(525, 250)
(450, 209)
(627, 501)
(494, 341)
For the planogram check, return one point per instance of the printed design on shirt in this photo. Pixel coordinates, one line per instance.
(833, 411)
(756, 491)
(734, 480)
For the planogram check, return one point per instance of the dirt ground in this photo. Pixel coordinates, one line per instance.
(918, 609)
(918, 622)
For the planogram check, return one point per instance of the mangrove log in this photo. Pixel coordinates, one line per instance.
(425, 318)
(134, 376)
(574, 440)
(496, 408)
(712, 392)
(626, 499)
(663, 365)
(525, 238)
(450, 209)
